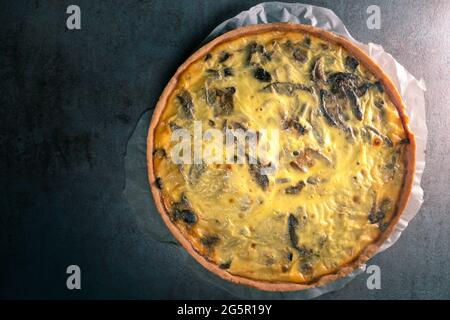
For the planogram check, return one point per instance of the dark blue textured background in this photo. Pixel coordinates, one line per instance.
(70, 100)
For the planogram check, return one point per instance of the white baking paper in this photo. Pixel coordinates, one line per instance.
(137, 190)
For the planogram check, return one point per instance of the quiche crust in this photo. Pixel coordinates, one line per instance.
(368, 251)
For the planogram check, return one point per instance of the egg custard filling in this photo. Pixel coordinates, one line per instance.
(340, 165)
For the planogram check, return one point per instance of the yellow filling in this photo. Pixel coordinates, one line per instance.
(350, 176)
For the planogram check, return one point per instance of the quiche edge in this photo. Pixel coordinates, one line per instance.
(409, 159)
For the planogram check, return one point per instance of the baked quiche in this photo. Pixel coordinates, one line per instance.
(341, 175)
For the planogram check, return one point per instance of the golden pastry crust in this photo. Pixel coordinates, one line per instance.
(195, 250)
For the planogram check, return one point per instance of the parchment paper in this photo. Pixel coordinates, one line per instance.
(137, 190)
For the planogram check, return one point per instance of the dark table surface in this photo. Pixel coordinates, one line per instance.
(70, 101)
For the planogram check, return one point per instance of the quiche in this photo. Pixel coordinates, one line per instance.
(338, 183)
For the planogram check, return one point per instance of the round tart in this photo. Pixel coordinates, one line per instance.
(322, 197)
